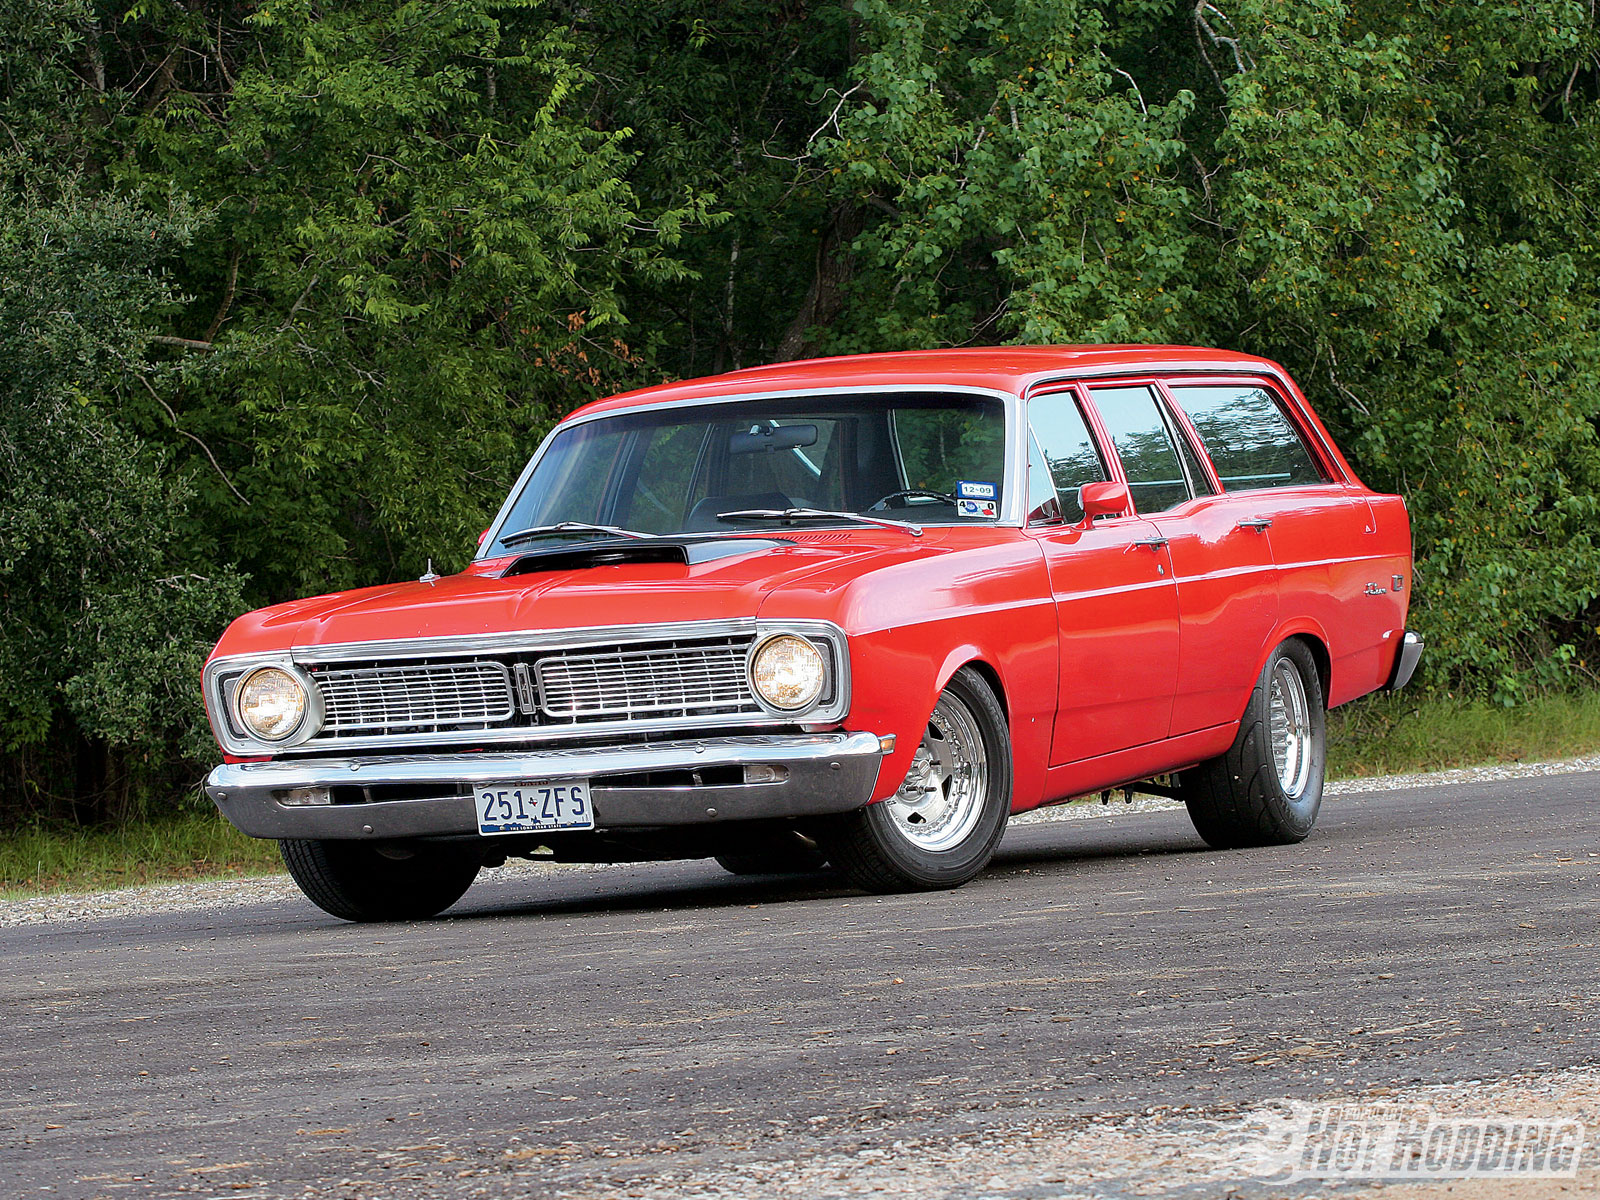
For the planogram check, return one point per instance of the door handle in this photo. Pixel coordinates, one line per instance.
(1152, 543)
(1259, 524)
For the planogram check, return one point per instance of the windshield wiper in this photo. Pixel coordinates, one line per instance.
(804, 514)
(537, 531)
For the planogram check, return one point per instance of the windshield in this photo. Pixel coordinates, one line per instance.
(928, 459)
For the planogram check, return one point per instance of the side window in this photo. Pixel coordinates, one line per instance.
(1145, 446)
(1251, 442)
(1069, 451)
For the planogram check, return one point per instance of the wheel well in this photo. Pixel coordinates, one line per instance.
(992, 678)
(1319, 656)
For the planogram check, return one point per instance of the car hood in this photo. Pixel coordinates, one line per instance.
(482, 600)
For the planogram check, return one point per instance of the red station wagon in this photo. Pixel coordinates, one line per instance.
(853, 611)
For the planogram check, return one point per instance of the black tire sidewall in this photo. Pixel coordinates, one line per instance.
(950, 868)
(1295, 816)
(356, 881)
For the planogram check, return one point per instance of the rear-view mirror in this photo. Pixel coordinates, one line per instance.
(766, 440)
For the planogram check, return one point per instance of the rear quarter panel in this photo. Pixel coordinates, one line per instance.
(1362, 631)
(1344, 561)
(1329, 544)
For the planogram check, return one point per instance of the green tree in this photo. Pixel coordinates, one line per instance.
(417, 260)
(107, 611)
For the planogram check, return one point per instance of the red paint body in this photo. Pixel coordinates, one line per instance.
(1113, 660)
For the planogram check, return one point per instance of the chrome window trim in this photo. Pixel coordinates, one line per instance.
(1284, 388)
(1065, 378)
(221, 669)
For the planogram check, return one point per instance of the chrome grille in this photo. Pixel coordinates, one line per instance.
(669, 680)
(422, 696)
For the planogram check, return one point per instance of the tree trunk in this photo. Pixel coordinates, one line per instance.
(835, 264)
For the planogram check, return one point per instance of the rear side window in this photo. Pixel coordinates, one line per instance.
(1251, 442)
(1145, 446)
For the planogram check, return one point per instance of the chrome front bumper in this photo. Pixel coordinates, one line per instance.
(813, 774)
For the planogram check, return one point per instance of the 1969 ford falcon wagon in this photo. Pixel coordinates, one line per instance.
(853, 611)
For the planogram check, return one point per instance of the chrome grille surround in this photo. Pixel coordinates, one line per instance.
(711, 656)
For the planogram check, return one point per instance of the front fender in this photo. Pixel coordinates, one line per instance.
(974, 596)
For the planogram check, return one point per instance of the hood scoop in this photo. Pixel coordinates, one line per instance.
(614, 552)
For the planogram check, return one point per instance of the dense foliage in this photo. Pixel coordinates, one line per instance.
(288, 290)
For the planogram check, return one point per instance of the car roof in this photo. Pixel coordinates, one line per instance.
(1012, 369)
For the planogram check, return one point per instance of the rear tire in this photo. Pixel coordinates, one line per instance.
(1267, 788)
(941, 828)
(363, 881)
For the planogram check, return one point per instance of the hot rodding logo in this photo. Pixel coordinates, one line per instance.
(1358, 1141)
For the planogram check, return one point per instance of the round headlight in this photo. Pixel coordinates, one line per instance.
(271, 703)
(788, 672)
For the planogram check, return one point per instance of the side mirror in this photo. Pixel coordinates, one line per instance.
(482, 537)
(1104, 500)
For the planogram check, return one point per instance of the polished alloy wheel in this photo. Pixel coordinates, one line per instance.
(942, 798)
(1289, 727)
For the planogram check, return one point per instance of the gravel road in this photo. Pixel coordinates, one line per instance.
(1113, 1010)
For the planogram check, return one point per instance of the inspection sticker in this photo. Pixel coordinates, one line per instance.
(974, 490)
(977, 508)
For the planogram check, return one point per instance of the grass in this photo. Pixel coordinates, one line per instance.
(1378, 735)
(1395, 734)
(43, 859)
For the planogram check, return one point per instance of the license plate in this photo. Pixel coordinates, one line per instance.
(533, 807)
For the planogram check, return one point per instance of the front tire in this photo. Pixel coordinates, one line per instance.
(941, 828)
(363, 881)
(1267, 788)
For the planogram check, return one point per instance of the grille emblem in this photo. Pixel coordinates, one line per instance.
(527, 696)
